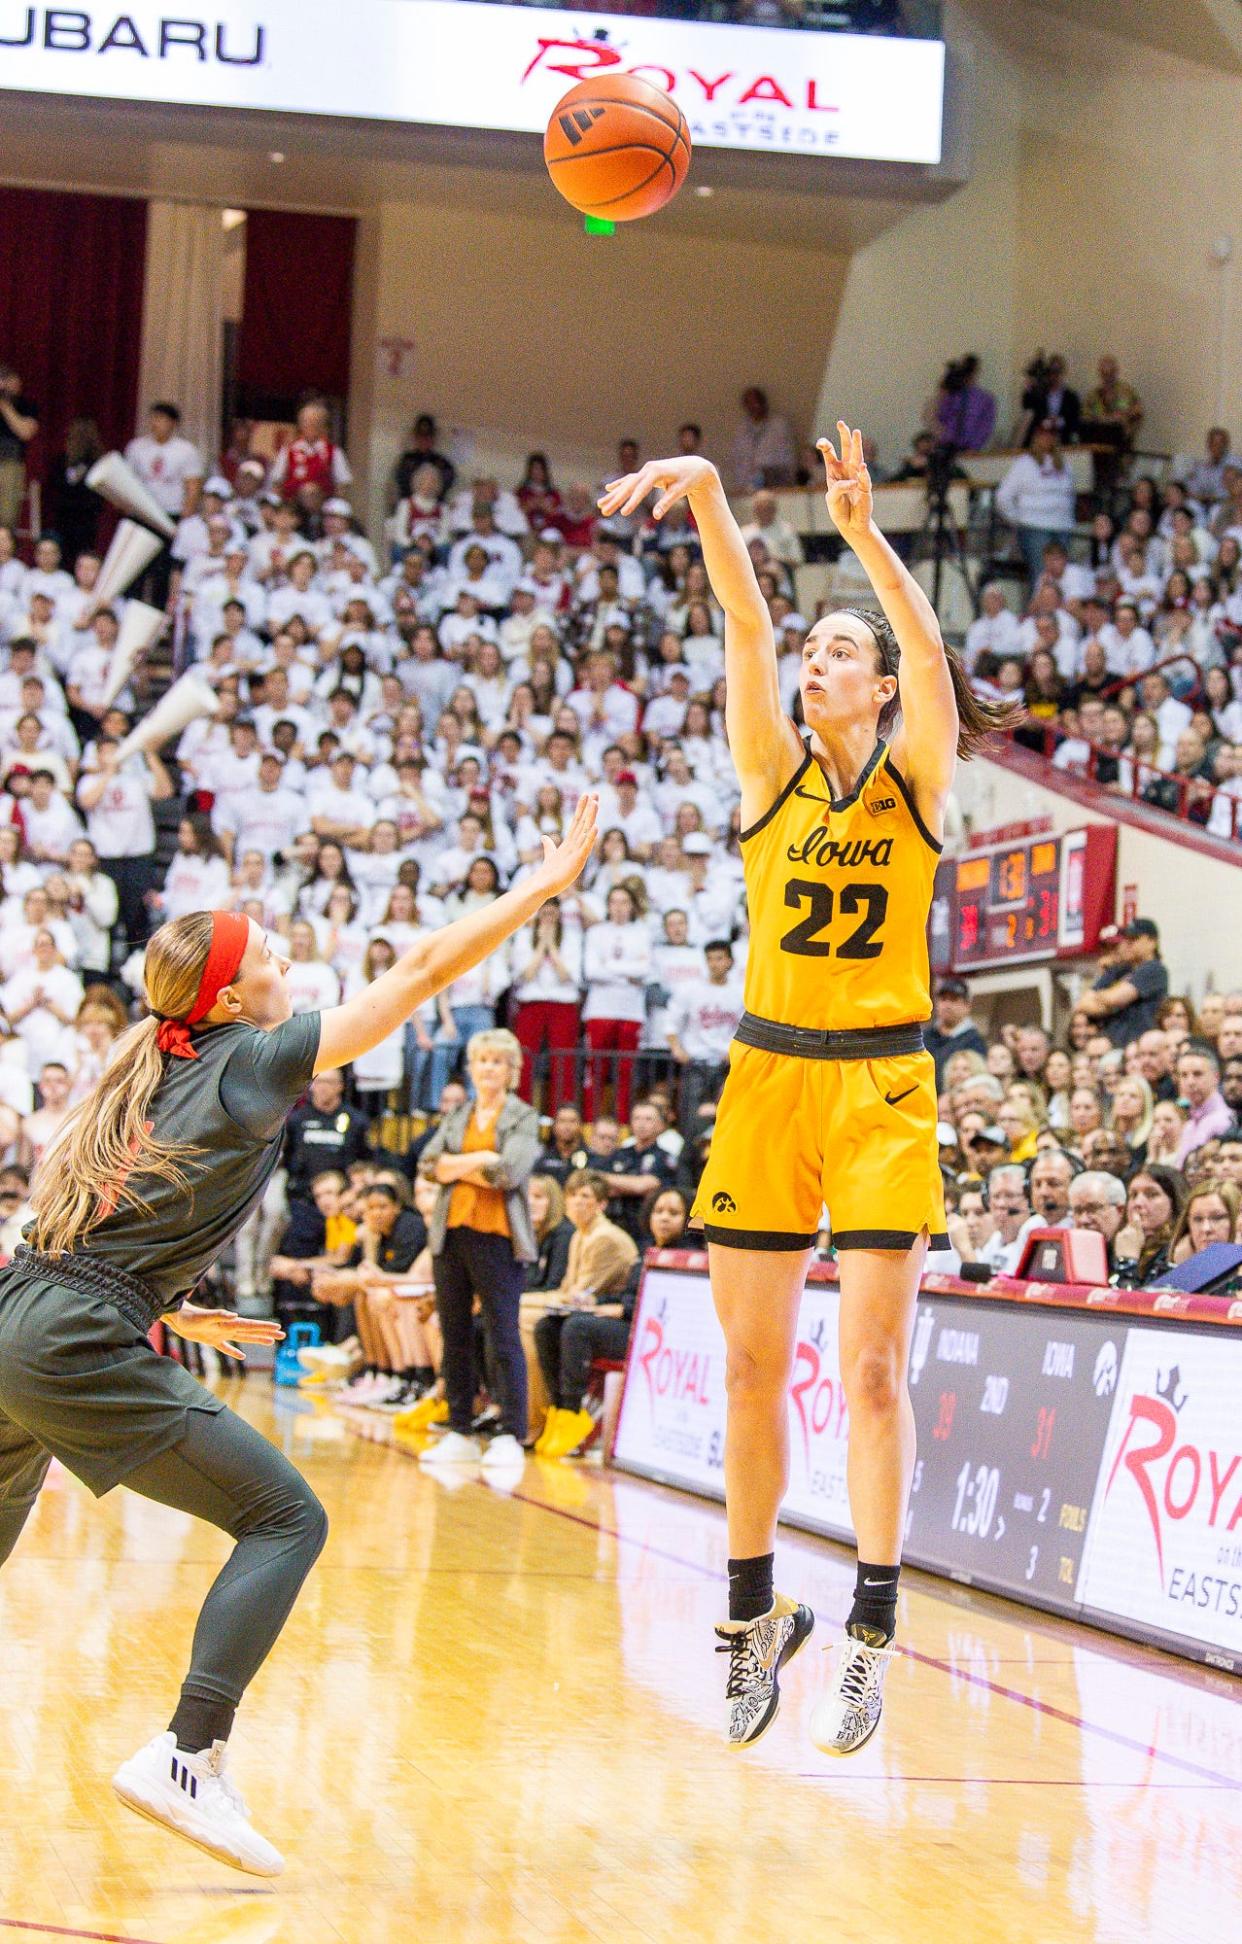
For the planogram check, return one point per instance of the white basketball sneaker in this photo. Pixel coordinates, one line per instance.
(847, 1714)
(504, 1453)
(193, 1796)
(757, 1650)
(451, 1449)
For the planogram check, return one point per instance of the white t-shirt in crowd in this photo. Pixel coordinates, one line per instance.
(705, 1017)
(40, 1031)
(17, 939)
(351, 808)
(165, 468)
(51, 831)
(262, 820)
(616, 963)
(196, 884)
(121, 823)
(546, 982)
(312, 986)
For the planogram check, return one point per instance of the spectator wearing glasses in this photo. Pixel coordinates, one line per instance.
(1097, 1203)
(1010, 1209)
(1211, 1215)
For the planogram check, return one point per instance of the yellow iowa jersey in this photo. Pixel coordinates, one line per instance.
(839, 894)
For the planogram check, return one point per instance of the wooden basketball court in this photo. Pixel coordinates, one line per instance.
(495, 1716)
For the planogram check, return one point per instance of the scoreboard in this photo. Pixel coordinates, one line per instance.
(1008, 902)
(1072, 1454)
(1033, 895)
(1010, 1442)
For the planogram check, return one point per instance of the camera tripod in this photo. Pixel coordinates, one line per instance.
(939, 540)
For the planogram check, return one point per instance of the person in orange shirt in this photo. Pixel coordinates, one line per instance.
(482, 1155)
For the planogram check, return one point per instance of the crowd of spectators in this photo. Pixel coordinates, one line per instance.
(399, 728)
(1126, 645)
(1130, 1125)
(401, 722)
(1128, 653)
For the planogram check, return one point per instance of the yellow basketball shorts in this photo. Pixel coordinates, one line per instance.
(793, 1134)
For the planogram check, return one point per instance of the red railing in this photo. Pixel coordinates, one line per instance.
(1218, 812)
(1124, 682)
(1190, 798)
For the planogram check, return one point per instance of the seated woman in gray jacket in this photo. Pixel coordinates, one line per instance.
(481, 1156)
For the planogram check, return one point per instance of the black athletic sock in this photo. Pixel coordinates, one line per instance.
(425, 1375)
(199, 1721)
(873, 1616)
(750, 1587)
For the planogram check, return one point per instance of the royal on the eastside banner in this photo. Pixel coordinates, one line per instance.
(673, 1412)
(1072, 1458)
(1164, 1535)
(485, 67)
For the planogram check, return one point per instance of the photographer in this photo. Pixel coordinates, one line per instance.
(19, 422)
(963, 413)
(1050, 401)
(920, 463)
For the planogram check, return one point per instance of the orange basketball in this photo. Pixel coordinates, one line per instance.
(617, 148)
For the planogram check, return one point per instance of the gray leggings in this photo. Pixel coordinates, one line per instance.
(224, 1472)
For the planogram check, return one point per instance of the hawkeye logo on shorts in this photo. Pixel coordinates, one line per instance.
(723, 1204)
(819, 848)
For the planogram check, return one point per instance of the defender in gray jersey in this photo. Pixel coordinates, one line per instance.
(150, 1179)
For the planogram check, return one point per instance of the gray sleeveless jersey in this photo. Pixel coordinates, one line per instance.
(229, 1107)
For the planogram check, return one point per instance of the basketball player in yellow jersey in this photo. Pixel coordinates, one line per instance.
(830, 1096)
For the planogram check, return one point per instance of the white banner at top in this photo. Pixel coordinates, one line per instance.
(487, 67)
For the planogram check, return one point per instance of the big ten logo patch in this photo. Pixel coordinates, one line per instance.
(878, 805)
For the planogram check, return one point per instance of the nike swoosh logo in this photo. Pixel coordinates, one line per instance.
(882, 1582)
(809, 796)
(895, 1100)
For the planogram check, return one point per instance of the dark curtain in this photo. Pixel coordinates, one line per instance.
(71, 283)
(295, 327)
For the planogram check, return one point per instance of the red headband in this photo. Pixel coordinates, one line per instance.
(230, 934)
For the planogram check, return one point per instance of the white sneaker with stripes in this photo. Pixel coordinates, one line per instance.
(193, 1796)
(847, 1714)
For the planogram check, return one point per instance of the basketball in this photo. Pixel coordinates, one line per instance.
(617, 147)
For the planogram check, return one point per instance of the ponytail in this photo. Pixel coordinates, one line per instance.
(976, 719)
(86, 1173)
(106, 1143)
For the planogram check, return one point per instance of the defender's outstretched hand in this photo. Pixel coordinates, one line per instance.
(849, 483)
(222, 1330)
(673, 479)
(564, 862)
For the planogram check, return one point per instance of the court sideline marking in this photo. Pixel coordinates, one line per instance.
(59, 1930)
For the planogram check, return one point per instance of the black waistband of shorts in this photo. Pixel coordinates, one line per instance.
(138, 1303)
(810, 1043)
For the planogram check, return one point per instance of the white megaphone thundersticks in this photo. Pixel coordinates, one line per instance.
(132, 550)
(140, 629)
(186, 699)
(115, 480)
